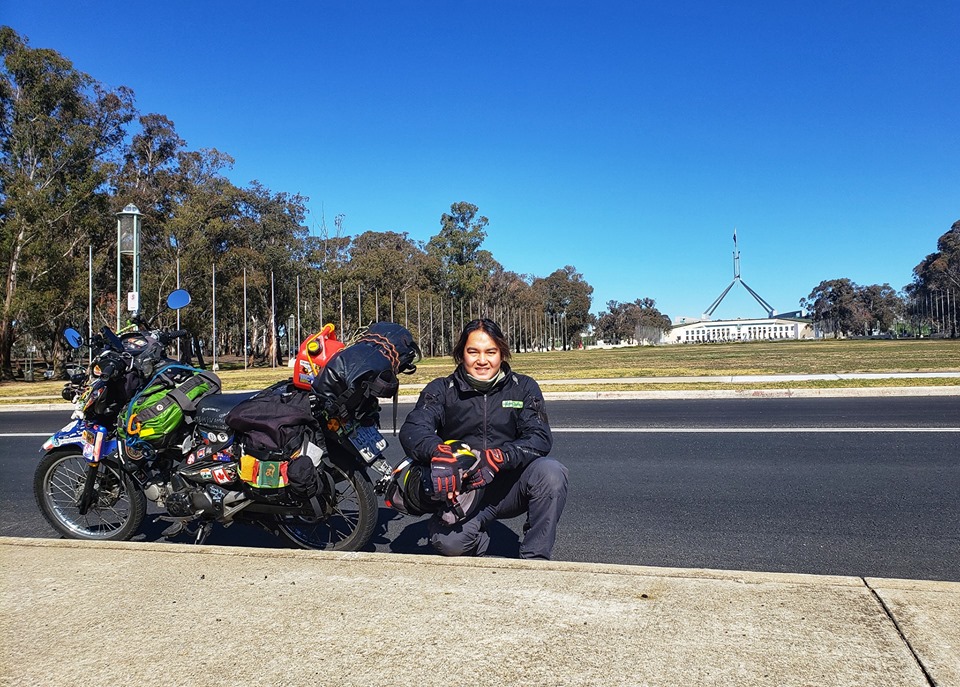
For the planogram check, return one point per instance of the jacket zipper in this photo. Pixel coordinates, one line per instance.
(485, 428)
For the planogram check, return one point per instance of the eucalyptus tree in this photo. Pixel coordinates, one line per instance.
(383, 265)
(936, 283)
(269, 238)
(610, 324)
(465, 265)
(941, 269)
(60, 137)
(638, 321)
(834, 306)
(327, 265)
(566, 297)
(509, 298)
(188, 244)
(883, 305)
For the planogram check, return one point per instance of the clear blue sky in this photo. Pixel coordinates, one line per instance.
(628, 139)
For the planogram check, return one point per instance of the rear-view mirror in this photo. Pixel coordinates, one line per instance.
(73, 337)
(178, 299)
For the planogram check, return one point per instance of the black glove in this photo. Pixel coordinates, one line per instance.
(491, 460)
(448, 466)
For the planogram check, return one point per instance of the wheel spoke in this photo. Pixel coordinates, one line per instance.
(112, 510)
(64, 490)
(342, 523)
(120, 516)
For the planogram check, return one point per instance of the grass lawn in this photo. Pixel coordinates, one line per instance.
(695, 360)
(784, 357)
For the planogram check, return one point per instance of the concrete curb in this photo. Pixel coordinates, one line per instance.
(417, 560)
(420, 560)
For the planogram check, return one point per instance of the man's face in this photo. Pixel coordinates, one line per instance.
(481, 357)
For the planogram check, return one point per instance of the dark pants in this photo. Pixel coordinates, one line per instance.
(539, 490)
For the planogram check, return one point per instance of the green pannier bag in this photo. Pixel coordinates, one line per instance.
(154, 414)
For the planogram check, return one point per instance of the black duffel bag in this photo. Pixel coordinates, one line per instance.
(357, 375)
(276, 426)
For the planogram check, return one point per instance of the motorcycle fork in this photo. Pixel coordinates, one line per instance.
(93, 445)
(87, 496)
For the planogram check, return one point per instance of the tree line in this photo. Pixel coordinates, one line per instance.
(74, 153)
(927, 306)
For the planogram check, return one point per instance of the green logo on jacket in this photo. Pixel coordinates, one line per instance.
(513, 404)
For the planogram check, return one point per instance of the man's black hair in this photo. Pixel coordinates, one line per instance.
(488, 326)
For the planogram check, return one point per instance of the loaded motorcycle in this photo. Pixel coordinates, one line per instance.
(291, 459)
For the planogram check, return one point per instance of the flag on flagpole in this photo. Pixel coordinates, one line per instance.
(734, 235)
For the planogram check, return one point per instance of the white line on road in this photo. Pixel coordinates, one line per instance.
(744, 430)
(679, 430)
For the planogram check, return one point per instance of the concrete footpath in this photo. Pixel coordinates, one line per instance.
(80, 613)
(410, 393)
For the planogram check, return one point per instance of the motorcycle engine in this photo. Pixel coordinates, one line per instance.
(182, 499)
(196, 501)
(157, 491)
(179, 505)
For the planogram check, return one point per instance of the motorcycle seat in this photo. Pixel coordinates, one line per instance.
(212, 411)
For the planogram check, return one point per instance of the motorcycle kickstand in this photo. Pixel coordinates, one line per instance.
(203, 532)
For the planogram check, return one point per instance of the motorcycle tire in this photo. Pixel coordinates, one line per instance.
(117, 513)
(350, 521)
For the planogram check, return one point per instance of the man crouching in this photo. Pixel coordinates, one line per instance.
(484, 429)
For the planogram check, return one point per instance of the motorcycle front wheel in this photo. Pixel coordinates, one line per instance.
(115, 515)
(350, 515)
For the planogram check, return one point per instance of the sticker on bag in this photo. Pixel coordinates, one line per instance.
(265, 474)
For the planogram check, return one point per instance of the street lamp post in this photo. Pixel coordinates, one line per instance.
(128, 241)
(291, 323)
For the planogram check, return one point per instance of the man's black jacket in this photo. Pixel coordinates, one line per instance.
(510, 416)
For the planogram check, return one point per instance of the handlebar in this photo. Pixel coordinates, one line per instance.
(169, 337)
(108, 369)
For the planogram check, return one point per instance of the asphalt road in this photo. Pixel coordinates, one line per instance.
(859, 486)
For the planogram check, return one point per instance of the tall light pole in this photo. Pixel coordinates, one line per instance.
(213, 339)
(245, 345)
(291, 324)
(90, 303)
(128, 241)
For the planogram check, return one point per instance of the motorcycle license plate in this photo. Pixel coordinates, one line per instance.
(369, 442)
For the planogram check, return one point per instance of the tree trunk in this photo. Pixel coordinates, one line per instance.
(6, 320)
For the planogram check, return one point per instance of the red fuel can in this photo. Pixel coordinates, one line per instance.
(314, 353)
